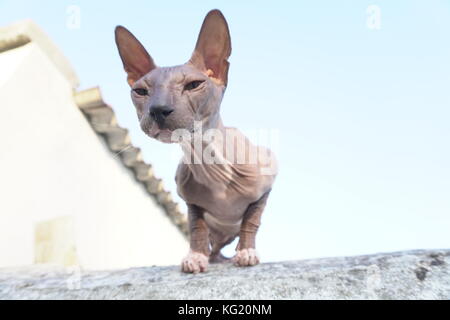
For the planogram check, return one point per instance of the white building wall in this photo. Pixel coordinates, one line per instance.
(52, 165)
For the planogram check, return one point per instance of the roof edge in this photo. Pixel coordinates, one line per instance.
(102, 119)
(23, 32)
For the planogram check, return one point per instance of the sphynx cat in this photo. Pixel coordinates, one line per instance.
(224, 179)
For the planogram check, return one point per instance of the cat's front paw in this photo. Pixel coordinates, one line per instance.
(246, 257)
(194, 262)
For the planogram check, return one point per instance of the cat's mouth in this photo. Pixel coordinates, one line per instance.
(163, 135)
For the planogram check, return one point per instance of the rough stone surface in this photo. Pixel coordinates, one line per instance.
(401, 275)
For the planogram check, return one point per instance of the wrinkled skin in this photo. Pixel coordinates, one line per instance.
(225, 199)
(166, 87)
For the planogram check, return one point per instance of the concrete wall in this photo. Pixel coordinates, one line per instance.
(399, 275)
(53, 165)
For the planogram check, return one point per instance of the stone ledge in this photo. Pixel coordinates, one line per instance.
(423, 274)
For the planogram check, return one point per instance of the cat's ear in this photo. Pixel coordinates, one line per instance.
(136, 60)
(213, 47)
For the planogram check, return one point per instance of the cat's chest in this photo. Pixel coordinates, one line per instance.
(220, 199)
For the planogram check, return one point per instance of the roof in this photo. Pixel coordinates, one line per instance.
(23, 32)
(100, 116)
(103, 120)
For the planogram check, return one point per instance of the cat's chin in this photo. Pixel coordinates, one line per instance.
(162, 135)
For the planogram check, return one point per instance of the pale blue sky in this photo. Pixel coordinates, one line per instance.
(363, 115)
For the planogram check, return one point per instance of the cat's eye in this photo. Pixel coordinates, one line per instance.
(141, 91)
(193, 85)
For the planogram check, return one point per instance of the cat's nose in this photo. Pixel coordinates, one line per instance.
(160, 113)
